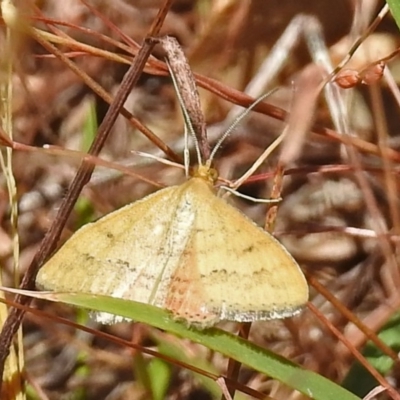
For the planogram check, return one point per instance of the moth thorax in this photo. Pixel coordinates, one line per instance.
(207, 173)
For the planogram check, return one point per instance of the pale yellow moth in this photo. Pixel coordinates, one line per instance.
(185, 250)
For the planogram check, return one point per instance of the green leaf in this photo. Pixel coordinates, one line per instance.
(160, 377)
(262, 360)
(84, 210)
(141, 372)
(358, 379)
(90, 127)
(394, 6)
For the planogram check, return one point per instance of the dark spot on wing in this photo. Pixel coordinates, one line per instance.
(248, 249)
(88, 256)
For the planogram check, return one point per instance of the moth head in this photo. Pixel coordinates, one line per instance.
(206, 172)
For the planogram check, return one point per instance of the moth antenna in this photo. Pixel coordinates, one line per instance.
(260, 160)
(188, 122)
(250, 198)
(186, 153)
(236, 122)
(154, 157)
